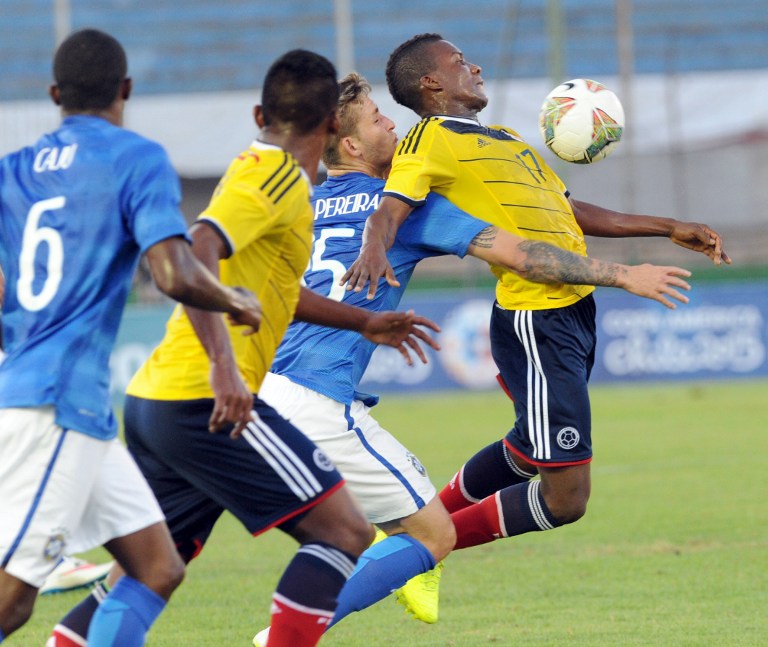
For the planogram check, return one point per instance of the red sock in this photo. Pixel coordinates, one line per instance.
(451, 495)
(478, 524)
(295, 625)
(64, 637)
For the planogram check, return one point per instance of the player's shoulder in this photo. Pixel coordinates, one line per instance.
(135, 142)
(265, 158)
(274, 172)
(14, 158)
(506, 131)
(125, 149)
(419, 135)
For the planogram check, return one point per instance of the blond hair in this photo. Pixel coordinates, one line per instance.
(353, 89)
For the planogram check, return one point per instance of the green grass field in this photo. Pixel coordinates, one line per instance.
(673, 550)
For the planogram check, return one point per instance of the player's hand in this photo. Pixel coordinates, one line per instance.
(700, 238)
(247, 311)
(233, 400)
(401, 331)
(658, 283)
(370, 266)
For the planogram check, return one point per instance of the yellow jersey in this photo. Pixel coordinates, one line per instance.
(261, 210)
(491, 173)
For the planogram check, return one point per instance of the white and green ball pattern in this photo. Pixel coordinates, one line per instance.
(581, 121)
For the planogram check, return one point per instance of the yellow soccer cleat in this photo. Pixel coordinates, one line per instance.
(420, 595)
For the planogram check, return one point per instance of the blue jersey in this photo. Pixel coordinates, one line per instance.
(332, 361)
(76, 211)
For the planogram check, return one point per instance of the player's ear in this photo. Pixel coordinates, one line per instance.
(349, 146)
(258, 115)
(430, 82)
(126, 87)
(54, 93)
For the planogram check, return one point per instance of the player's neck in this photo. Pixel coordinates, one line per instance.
(306, 148)
(450, 109)
(113, 114)
(357, 166)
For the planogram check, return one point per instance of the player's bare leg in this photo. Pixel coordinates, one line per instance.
(337, 520)
(17, 599)
(560, 497)
(433, 527)
(566, 491)
(150, 557)
(154, 570)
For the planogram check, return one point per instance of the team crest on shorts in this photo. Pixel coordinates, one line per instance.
(54, 547)
(416, 464)
(568, 438)
(322, 461)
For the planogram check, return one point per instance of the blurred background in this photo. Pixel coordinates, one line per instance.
(692, 76)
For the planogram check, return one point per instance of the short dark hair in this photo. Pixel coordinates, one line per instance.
(88, 68)
(405, 67)
(300, 89)
(353, 89)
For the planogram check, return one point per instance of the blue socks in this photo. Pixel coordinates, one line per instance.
(381, 569)
(125, 615)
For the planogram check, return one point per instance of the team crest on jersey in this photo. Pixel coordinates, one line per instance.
(416, 464)
(568, 438)
(322, 461)
(482, 143)
(54, 547)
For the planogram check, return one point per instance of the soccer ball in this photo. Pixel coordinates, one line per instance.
(581, 121)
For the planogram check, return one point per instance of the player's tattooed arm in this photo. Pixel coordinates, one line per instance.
(545, 263)
(485, 238)
(541, 262)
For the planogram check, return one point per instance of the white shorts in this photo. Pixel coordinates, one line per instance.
(62, 492)
(389, 481)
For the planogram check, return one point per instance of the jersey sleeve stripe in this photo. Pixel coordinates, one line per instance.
(228, 243)
(409, 201)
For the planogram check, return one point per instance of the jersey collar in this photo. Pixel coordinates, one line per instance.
(463, 120)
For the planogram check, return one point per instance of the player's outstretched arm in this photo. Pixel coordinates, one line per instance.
(544, 263)
(401, 330)
(178, 274)
(605, 223)
(378, 236)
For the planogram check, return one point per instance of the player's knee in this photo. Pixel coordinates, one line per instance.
(165, 576)
(433, 527)
(360, 534)
(352, 533)
(175, 574)
(14, 613)
(446, 542)
(568, 509)
(442, 538)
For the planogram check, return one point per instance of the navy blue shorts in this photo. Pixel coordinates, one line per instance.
(545, 358)
(268, 477)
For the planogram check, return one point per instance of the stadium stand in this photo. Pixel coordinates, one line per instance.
(182, 46)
